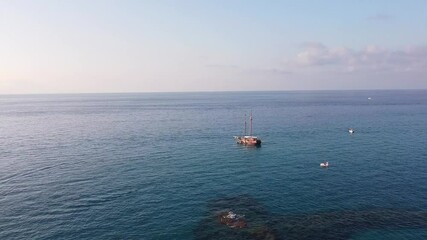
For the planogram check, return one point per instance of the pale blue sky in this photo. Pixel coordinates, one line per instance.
(143, 46)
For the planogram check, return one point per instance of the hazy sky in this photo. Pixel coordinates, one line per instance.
(68, 46)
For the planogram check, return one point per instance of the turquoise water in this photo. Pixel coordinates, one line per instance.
(149, 166)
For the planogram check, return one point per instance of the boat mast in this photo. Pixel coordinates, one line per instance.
(245, 126)
(251, 122)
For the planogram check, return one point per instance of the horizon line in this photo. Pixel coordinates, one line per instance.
(215, 91)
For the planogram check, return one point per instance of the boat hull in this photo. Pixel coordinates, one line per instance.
(248, 141)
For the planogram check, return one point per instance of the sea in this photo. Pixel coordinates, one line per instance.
(165, 165)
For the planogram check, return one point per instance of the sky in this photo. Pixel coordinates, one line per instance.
(80, 46)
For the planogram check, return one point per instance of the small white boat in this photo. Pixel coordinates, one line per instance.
(351, 130)
(324, 164)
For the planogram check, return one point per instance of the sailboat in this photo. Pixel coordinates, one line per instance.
(248, 140)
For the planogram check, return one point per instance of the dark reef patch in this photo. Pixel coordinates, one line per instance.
(323, 225)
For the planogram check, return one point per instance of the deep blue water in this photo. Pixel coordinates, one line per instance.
(146, 166)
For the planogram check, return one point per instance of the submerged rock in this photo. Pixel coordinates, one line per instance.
(232, 220)
(261, 224)
(254, 224)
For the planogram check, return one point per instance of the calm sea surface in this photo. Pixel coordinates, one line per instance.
(156, 165)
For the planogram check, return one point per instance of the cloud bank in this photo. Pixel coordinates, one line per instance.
(371, 58)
